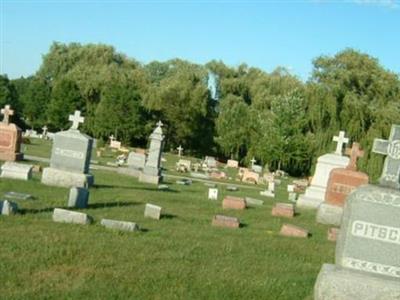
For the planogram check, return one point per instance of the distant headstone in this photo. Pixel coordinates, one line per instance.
(119, 225)
(253, 202)
(340, 184)
(232, 188)
(257, 168)
(16, 171)
(18, 196)
(271, 190)
(184, 181)
(163, 187)
(67, 216)
(70, 157)
(44, 132)
(135, 164)
(210, 162)
(231, 202)
(152, 211)
(199, 175)
(225, 221)
(180, 150)
(10, 137)
(183, 165)
(367, 262)
(250, 177)
(78, 197)
(315, 193)
(213, 194)
(8, 208)
(293, 231)
(152, 169)
(283, 210)
(232, 164)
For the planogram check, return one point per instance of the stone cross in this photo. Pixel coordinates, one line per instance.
(391, 148)
(253, 161)
(160, 124)
(7, 112)
(44, 130)
(180, 149)
(355, 152)
(341, 140)
(112, 138)
(76, 119)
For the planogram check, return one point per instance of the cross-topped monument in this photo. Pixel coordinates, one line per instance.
(391, 148)
(354, 152)
(76, 119)
(7, 112)
(160, 124)
(180, 149)
(341, 140)
(253, 161)
(112, 138)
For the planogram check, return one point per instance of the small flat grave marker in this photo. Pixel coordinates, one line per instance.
(293, 231)
(225, 221)
(152, 211)
(17, 196)
(253, 202)
(119, 225)
(283, 210)
(232, 188)
(231, 202)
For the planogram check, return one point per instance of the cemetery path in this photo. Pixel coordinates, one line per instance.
(113, 169)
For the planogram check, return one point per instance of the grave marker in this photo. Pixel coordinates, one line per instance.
(10, 137)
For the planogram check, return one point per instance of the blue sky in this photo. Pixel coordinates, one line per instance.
(264, 34)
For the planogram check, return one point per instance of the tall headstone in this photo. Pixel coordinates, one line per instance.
(342, 181)
(180, 150)
(10, 137)
(152, 169)
(367, 262)
(315, 193)
(70, 157)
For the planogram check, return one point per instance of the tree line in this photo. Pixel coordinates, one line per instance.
(232, 112)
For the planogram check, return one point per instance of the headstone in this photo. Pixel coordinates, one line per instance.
(152, 211)
(44, 132)
(210, 162)
(163, 187)
(232, 164)
(293, 231)
(253, 202)
(119, 225)
(16, 171)
(78, 197)
(232, 188)
(213, 194)
(10, 137)
(252, 161)
(8, 208)
(199, 175)
(180, 150)
(67, 216)
(231, 202)
(283, 210)
(184, 181)
(135, 164)
(115, 145)
(367, 262)
(183, 165)
(218, 175)
(225, 221)
(250, 177)
(18, 196)
(70, 157)
(340, 184)
(152, 169)
(315, 193)
(271, 190)
(257, 169)
(292, 195)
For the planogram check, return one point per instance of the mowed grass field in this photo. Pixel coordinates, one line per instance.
(180, 256)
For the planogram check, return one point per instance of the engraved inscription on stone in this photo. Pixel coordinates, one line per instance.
(378, 232)
(380, 198)
(342, 188)
(69, 153)
(362, 265)
(394, 149)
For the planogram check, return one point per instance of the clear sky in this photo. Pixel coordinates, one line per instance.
(263, 34)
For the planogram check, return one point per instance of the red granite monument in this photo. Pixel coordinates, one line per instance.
(10, 137)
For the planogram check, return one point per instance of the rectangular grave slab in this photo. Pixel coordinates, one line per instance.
(253, 202)
(68, 216)
(293, 231)
(213, 194)
(66, 179)
(136, 160)
(119, 225)
(18, 196)
(225, 221)
(15, 170)
(152, 211)
(232, 164)
(283, 210)
(231, 202)
(232, 188)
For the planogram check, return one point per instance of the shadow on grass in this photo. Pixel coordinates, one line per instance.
(112, 204)
(24, 211)
(243, 225)
(168, 216)
(107, 186)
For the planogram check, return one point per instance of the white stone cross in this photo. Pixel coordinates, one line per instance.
(391, 148)
(112, 138)
(44, 130)
(7, 112)
(76, 119)
(341, 140)
(253, 161)
(180, 149)
(160, 124)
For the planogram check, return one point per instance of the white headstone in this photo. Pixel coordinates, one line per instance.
(213, 194)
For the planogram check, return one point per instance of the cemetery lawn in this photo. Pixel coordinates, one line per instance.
(180, 256)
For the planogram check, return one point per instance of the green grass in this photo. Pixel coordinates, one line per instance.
(180, 256)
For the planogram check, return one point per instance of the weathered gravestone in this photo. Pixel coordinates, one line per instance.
(152, 169)
(8, 208)
(271, 190)
(342, 181)
(10, 137)
(68, 216)
(213, 194)
(232, 164)
(16, 170)
(251, 202)
(152, 211)
(135, 164)
(119, 225)
(367, 262)
(78, 197)
(225, 221)
(315, 193)
(70, 157)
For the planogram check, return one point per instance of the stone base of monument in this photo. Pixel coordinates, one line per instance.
(312, 198)
(16, 171)
(334, 282)
(8, 156)
(129, 172)
(147, 178)
(67, 179)
(329, 214)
